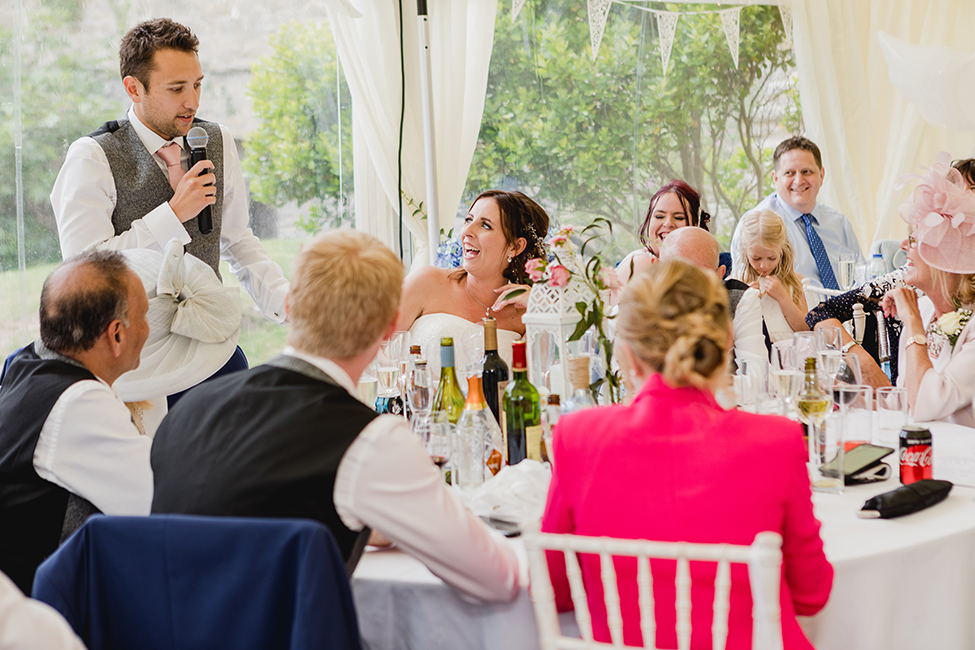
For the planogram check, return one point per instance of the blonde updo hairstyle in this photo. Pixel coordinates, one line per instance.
(675, 319)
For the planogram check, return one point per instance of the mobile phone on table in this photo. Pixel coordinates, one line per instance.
(856, 460)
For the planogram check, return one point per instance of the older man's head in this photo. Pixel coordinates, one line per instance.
(694, 245)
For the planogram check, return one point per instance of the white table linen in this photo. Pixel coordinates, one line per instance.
(900, 583)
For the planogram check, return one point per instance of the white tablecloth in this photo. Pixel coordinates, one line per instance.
(900, 583)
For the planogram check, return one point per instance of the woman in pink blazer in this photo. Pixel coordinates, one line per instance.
(675, 466)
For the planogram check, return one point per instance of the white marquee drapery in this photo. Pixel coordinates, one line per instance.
(461, 37)
(868, 133)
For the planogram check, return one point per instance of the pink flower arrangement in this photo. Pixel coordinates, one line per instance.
(535, 268)
(558, 275)
(942, 210)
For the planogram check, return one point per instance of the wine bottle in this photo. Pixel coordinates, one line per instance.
(494, 374)
(479, 439)
(522, 413)
(553, 409)
(449, 399)
(581, 397)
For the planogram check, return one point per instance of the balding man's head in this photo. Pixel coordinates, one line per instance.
(81, 297)
(693, 245)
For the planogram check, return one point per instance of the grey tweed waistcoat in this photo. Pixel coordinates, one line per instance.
(140, 184)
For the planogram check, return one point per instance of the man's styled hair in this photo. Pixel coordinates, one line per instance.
(142, 42)
(796, 142)
(81, 298)
(345, 292)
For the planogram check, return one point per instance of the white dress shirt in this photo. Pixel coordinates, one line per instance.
(386, 481)
(84, 199)
(947, 388)
(90, 447)
(747, 328)
(27, 624)
(833, 228)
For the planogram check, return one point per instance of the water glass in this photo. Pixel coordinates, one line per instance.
(785, 378)
(843, 430)
(368, 387)
(891, 415)
(749, 381)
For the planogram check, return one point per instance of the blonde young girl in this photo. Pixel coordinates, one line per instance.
(770, 269)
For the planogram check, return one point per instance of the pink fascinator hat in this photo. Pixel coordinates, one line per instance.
(942, 210)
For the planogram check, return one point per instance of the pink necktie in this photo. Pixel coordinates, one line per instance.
(170, 154)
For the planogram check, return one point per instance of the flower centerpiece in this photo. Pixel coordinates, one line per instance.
(571, 290)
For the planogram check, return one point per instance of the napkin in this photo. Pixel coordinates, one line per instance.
(516, 494)
(906, 499)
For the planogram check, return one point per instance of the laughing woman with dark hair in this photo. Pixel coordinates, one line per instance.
(674, 206)
(502, 231)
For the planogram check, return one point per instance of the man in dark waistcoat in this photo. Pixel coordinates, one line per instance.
(68, 445)
(291, 439)
(701, 249)
(129, 184)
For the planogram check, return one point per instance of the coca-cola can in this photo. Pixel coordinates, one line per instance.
(916, 454)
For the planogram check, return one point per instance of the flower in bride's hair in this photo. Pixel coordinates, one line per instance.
(535, 268)
(559, 276)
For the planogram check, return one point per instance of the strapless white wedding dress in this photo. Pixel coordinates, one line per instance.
(427, 330)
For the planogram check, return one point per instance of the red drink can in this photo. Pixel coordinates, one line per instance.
(916, 453)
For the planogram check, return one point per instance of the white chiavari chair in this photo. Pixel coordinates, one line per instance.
(763, 557)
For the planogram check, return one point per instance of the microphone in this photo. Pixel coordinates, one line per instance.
(197, 140)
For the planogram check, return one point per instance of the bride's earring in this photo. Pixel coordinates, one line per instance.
(509, 259)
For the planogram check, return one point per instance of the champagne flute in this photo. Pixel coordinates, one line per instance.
(368, 385)
(847, 269)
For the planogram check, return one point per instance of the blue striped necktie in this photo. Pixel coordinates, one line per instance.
(819, 254)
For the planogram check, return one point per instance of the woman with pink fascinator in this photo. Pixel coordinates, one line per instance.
(937, 343)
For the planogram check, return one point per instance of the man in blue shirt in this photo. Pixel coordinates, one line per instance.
(818, 233)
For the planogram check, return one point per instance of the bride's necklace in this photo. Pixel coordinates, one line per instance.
(487, 310)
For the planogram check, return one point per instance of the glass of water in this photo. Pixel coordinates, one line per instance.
(891, 414)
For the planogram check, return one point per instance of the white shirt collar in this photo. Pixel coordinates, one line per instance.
(794, 214)
(149, 138)
(330, 368)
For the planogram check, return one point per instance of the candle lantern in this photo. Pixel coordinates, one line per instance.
(551, 318)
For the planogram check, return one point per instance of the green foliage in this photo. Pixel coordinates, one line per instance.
(63, 98)
(294, 154)
(597, 139)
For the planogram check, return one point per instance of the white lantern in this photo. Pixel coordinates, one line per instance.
(549, 321)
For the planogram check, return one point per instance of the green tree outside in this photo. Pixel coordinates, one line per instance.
(294, 153)
(597, 139)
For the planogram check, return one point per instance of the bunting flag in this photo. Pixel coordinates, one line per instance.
(785, 10)
(598, 10)
(516, 6)
(666, 28)
(730, 20)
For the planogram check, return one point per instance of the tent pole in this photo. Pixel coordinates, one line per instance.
(429, 148)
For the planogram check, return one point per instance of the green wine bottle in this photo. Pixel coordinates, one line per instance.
(449, 399)
(522, 413)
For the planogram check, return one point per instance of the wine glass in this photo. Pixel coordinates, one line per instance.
(785, 378)
(806, 344)
(419, 392)
(832, 338)
(367, 388)
(439, 439)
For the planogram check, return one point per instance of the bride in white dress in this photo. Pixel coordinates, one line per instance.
(502, 231)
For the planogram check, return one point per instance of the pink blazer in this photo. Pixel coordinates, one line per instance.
(674, 466)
